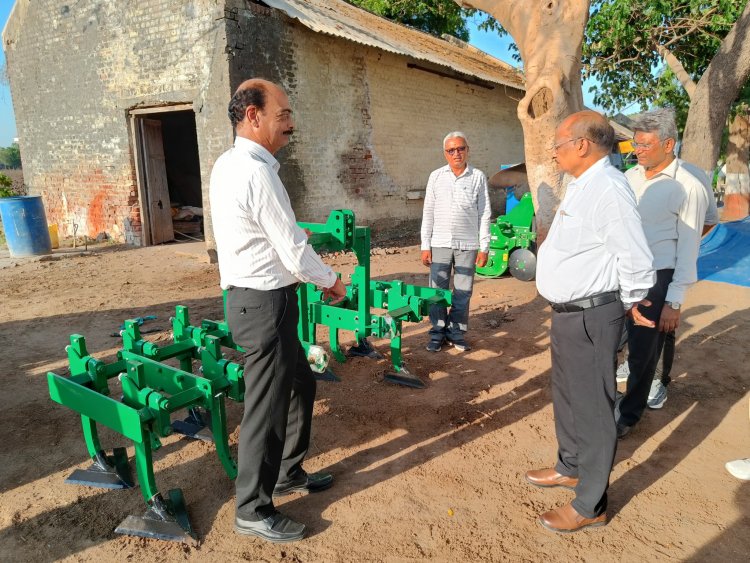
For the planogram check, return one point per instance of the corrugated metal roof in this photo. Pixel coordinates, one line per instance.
(335, 17)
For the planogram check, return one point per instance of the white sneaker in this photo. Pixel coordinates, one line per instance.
(739, 468)
(623, 372)
(657, 396)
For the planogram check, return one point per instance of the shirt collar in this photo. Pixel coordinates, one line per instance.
(670, 171)
(468, 169)
(584, 178)
(253, 148)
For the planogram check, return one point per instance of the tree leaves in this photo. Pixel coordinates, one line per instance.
(622, 37)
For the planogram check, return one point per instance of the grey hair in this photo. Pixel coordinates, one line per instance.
(660, 121)
(455, 135)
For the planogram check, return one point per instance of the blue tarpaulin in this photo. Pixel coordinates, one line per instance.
(725, 254)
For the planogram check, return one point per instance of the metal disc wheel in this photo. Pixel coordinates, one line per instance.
(522, 264)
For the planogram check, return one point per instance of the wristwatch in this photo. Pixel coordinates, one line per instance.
(673, 305)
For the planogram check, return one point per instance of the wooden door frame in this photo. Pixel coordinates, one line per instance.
(136, 116)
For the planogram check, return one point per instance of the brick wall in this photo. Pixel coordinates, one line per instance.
(74, 83)
(370, 129)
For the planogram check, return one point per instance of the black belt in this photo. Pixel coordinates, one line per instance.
(586, 302)
(292, 287)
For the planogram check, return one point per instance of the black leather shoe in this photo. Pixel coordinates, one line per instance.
(622, 430)
(275, 528)
(305, 483)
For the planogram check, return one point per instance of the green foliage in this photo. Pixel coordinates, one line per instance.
(622, 36)
(431, 16)
(6, 186)
(10, 156)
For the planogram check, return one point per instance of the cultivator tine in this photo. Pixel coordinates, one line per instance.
(164, 520)
(404, 377)
(364, 350)
(195, 426)
(106, 472)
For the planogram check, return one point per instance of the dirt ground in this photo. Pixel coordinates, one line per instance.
(420, 474)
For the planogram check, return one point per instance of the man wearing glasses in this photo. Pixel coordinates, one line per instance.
(672, 203)
(455, 236)
(593, 267)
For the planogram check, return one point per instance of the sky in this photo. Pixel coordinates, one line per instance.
(7, 120)
(489, 42)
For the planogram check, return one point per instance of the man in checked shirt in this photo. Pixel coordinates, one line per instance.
(455, 235)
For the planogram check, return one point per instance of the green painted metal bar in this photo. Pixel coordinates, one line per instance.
(104, 410)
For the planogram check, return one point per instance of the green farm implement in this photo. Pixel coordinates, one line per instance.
(139, 394)
(511, 239)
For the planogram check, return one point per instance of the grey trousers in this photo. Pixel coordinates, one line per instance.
(584, 355)
(279, 395)
(453, 324)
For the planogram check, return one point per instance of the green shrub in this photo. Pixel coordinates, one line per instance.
(6, 186)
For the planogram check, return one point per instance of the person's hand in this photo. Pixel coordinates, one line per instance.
(308, 232)
(635, 314)
(669, 320)
(481, 259)
(337, 292)
(426, 257)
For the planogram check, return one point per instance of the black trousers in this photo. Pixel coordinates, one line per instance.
(584, 356)
(279, 395)
(644, 350)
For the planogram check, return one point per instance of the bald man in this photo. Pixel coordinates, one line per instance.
(594, 268)
(263, 256)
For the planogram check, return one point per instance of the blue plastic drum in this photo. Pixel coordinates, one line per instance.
(25, 225)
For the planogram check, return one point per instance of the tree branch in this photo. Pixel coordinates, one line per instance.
(679, 71)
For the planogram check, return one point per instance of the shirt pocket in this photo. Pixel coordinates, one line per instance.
(569, 233)
(465, 198)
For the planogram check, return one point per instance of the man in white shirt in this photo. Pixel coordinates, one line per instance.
(593, 267)
(658, 394)
(263, 255)
(455, 235)
(672, 203)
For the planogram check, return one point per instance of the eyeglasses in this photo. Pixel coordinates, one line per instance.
(456, 149)
(554, 148)
(644, 146)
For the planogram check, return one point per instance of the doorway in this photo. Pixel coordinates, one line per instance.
(168, 173)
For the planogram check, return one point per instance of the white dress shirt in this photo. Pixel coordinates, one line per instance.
(596, 243)
(712, 211)
(457, 210)
(258, 241)
(672, 205)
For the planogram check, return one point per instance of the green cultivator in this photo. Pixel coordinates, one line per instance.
(151, 388)
(511, 240)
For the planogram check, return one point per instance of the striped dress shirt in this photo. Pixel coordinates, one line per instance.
(456, 210)
(258, 242)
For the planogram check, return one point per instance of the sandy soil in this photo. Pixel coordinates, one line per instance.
(420, 474)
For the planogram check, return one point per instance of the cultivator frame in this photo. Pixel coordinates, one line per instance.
(152, 390)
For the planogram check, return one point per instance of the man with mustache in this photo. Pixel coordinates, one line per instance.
(455, 235)
(263, 256)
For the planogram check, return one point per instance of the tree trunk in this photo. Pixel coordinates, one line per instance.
(717, 89)
(737, 188)
(549, 35)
